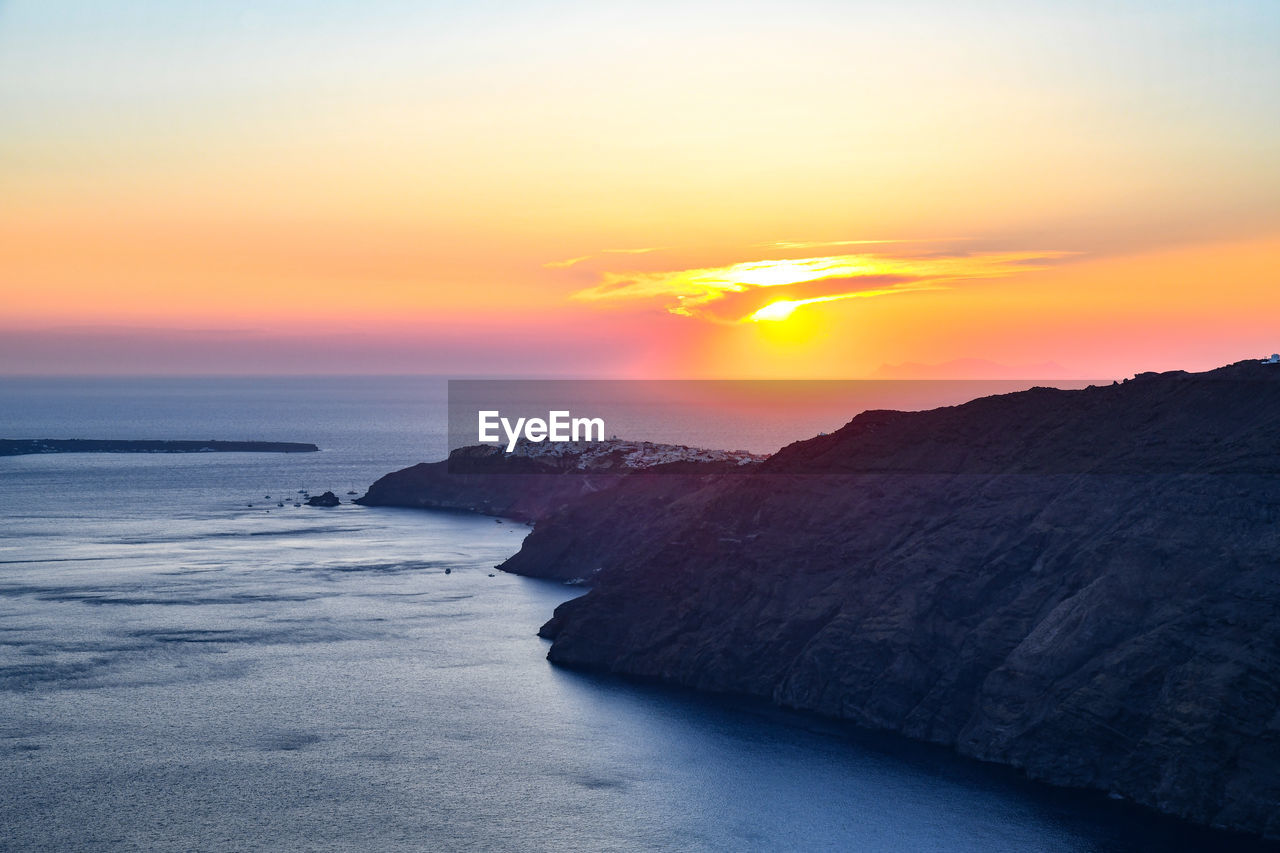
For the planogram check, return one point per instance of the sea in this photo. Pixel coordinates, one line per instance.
(189, 661)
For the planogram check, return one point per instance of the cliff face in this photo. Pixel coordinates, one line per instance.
(1084, 584)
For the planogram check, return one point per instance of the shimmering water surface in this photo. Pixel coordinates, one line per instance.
(180, 671)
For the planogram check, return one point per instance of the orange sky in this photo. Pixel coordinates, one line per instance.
(819, 189)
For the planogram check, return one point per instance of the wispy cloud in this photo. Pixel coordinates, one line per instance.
(772, 289)
(824, 244)
(565, 264)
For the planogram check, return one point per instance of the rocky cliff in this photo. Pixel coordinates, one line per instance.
(1083, 584)
(538, 479)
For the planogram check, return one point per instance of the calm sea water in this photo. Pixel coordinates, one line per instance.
(181, 671)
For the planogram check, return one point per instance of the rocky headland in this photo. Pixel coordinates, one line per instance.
(1081, 584)
(536, 480)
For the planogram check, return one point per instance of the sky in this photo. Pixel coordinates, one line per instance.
(638, 190)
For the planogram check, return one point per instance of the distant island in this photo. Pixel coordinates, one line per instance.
(27, 446)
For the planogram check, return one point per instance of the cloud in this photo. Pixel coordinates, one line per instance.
(823, 244)
(565, 264)
(772, 289)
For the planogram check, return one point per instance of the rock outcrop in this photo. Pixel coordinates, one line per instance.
(327, 499)
(1083, 584)
(539, 479)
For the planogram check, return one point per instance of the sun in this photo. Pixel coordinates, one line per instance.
(775, 311)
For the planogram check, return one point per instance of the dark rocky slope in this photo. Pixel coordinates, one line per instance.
(1084, 584)
(538, 480)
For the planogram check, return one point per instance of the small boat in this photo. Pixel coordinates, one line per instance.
(280, 504)
(448, 571)
(353, 492)
(297, 504)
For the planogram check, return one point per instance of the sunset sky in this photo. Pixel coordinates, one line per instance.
(645, 189)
